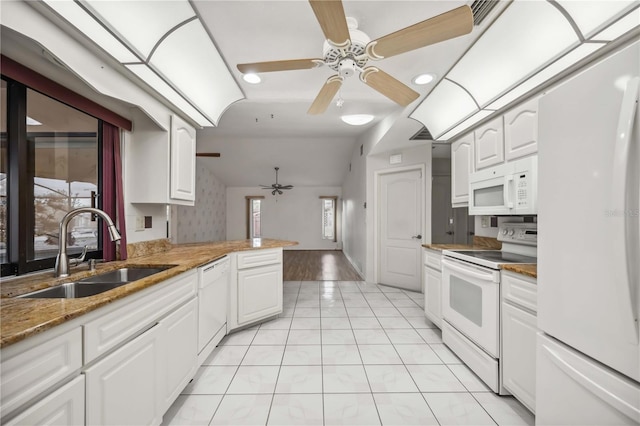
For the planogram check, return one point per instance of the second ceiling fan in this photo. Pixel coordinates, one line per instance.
(347, 51)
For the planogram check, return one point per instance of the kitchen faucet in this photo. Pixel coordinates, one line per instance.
(62, 260)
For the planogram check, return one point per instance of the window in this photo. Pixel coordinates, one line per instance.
(254, 216)
(329, 218)
(49, 164)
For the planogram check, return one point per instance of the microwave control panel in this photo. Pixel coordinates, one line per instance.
(521, 190)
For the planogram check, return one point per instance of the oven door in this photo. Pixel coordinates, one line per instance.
(471, 301)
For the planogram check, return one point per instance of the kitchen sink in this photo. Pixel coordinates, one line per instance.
(72, 290)
(96, 284)
(125, 275)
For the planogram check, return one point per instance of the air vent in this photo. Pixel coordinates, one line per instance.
(423, 135)
(480, 10)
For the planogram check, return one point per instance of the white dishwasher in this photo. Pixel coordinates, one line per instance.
(212, 303)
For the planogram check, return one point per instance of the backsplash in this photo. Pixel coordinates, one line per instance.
(207, 220)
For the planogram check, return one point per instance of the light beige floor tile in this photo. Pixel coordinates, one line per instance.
(457, 409)
(243, 410)
(403, 409)
(191, 410)
(300, 379)
(298, 410)
(350, 409)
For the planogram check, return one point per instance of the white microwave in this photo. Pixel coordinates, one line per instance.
(506, 189)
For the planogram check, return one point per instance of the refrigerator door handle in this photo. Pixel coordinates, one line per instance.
(620, 215)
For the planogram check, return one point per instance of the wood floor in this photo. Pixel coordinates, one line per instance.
(317, 265)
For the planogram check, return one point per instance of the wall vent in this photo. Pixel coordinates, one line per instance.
(423, 135)
(480, 10)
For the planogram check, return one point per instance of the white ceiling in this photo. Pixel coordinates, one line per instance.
(271, 127)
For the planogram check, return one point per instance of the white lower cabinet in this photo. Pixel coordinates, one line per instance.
(433, 286)
(64, 406)
(519, 330)
(122, 388)
(259, 293)
(178, 352)
(255, 290)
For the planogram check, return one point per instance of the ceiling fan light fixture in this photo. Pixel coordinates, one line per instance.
(357, 119)
(251, 78)
(422, 79)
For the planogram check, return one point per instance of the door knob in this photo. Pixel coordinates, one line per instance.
(417, 237)
(449, 232)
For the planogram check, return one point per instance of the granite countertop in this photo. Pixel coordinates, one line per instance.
(21, 318)
(522, 268)
(479, 243)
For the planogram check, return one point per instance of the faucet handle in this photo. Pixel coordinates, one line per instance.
(92, 263)
(78, 260)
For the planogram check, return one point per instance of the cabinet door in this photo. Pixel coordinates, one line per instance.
(64, 406)
(183, 161)
(518, 358)
(259, 293)
(521, 130)
(123, 388)
(460, 170)
(179, 351)
(433, 296)
(489, 144)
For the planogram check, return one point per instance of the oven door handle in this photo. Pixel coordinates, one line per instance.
(484, 276)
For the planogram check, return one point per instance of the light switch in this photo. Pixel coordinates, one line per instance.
(139, 223)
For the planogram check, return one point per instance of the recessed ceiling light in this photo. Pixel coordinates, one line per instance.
(252, 78)
(357, 119)
(423, 79)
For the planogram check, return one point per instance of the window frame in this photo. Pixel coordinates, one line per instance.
(334, 199)
(20, 191)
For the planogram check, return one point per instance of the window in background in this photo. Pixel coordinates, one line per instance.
(329, 218)
(254, 216)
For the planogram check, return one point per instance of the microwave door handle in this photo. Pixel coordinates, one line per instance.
(620, 215)
(508, 188)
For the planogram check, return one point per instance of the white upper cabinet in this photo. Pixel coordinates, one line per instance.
(183, 160)
(461, 167)
(521, 130)
(489, 146)
(160, 165)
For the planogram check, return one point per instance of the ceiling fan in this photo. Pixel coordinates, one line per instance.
(347, 50)
(276, 187)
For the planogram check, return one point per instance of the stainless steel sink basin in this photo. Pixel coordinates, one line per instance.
(72, 290)
(124, 275)
(95, 285)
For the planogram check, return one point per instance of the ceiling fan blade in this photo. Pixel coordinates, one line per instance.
(451, 24)
(286, 187)
(286, 65)
(332, 20)
(393, 89)
(328, 91)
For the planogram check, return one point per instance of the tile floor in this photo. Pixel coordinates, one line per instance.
(342, 353)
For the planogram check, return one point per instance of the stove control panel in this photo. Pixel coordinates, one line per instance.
(519, 233)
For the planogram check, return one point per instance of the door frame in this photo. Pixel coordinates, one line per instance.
(376, 210)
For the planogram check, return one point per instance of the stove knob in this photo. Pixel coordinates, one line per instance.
(504, 231)
(511, 232)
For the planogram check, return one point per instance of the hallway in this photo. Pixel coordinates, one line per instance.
(313, 265)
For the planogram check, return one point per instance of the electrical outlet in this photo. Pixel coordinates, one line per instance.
(139, 223)
(484, 220)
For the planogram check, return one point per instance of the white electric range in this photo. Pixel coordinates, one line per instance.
(471, 298)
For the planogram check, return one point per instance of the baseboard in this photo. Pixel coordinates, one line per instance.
(353, 265)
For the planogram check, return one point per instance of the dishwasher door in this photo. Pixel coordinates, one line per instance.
(212, 300)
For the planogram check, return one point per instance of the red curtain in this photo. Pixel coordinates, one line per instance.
(112, 190)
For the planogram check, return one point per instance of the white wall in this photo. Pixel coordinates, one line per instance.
(354, 235)
(295, 215)
(207, 220)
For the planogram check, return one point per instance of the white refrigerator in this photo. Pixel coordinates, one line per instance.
(588, 351)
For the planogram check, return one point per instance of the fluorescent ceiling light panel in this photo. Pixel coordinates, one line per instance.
(74, 14)
(477, 117)
(199, 71)
(624, 25)
(591, 16)
(552, 70)
(445, 106)
(142, 23)
(357, 119)
(148, 76)
(527, 36)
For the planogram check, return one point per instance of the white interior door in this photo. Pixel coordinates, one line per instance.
(400, 220)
